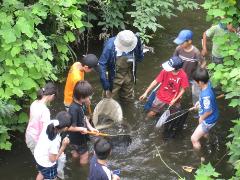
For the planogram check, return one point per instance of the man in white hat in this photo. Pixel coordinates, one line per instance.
(117, 64)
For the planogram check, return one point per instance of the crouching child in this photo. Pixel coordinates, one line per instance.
(208, 110)
(98, 164)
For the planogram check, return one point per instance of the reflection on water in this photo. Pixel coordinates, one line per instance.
(137, 160)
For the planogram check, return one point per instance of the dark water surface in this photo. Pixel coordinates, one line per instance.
(138, 160)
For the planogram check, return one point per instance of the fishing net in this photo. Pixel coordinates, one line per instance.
(108, 117)
(106, 113)
(163, 118)
(174, 123)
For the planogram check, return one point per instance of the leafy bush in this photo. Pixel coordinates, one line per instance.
(35, 39)
(149, 11)
(30, 54)
(227, 75)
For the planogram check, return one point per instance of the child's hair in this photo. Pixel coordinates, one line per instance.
(63, 119)
(201, 74)
(48, 89)
(82, 90)
(102, 148)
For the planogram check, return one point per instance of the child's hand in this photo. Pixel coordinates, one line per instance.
(196, 106)
(115, 177)
(142, 97)
(87, 102)
(172, 102)
(65, 141)
(83, 130)
(200, 120)
(94, 130)
(108, 94)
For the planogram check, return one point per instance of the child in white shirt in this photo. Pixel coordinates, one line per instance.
(49, 148)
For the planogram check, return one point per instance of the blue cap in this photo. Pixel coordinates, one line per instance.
(174, 63)
(183, 36)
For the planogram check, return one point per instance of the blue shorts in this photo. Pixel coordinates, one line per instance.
(206, 127)
(48, 172)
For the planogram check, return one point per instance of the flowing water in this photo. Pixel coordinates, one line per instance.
(139, 160)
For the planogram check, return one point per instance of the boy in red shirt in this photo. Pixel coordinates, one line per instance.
(173, 82)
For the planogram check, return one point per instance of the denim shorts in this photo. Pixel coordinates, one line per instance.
(206, 127)
(48, 172)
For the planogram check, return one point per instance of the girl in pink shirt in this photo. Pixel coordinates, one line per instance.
(39, 114)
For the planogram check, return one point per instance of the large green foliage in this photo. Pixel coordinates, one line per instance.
(28, 49)
(36, 37)
(149, 11)
(227, 75)
(118, 14)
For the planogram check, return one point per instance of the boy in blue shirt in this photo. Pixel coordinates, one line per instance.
(98, 164)
(208, 110)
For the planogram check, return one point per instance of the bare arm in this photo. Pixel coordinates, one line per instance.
(54, 157)
(175, 99)
(204, 116)
(150, 87)
(77, 129)
(204, 44)
(89, 126)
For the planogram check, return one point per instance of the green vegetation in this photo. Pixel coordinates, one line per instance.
(36, 38)
(227, 75)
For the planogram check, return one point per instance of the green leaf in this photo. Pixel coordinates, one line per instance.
(28, 45)
(229, 63)
(15, 50)
(78, 23)
(18, 92)
(217, 12)
(24, 26)
(211, 66)
(206, 172)
(16, 82)
(12, 71)
(9, 62)
(70, 36)
(28, 83)
(234, 72)
(234, 102)
(23, 118)
(49, 55)
(8, 35)
(20, 71)
(17, 107)
(5, 145)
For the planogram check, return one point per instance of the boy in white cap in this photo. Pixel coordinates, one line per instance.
(173, 82)
(119, 58)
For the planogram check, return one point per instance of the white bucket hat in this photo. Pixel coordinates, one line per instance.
(125, 41)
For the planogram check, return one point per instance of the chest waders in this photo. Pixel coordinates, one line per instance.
(125, 78)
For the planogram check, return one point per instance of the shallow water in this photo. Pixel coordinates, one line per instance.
(138, 160)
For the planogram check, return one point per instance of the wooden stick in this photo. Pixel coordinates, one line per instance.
(97, 133)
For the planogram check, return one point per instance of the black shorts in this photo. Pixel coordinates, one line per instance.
(81, 149)
(48, 172)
